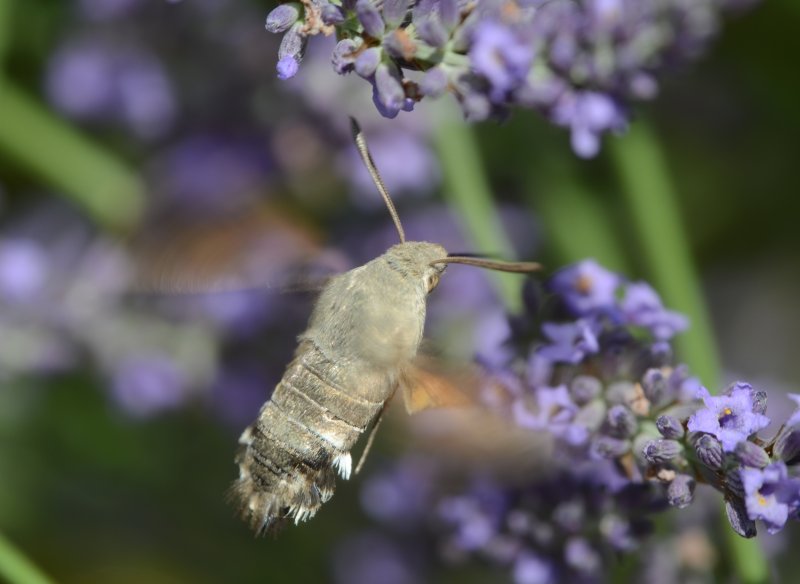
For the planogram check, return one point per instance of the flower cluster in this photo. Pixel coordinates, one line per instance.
(633, 434)
(580, 62)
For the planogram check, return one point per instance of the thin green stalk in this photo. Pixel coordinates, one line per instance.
(48, 147)
(5, 31)
(15, 568)
(467, 191)
(663, 245)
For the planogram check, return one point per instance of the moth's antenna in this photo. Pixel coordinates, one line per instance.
(361, 144)
(497, 265)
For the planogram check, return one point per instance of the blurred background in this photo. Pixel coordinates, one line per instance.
(142, 141)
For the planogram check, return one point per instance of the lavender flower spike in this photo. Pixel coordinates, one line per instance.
(730, 418)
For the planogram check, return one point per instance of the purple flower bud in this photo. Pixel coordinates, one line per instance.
(282, 17)
(751, 454)
(530, 568)
(287, 67)
(621, 392)
(388, 93)
(370, 18)
(367, 62)
(737, 517)
(343, 56)
(584, 388)
(333, 15)
(400, 45)
(655, 386)
(680, 491)
(670, 427)
(622, 422)
(394, 12)
(592, 415)
(709, 451)
(434, 83)
(608, 447)
(476, 108)
(661, 450)
(581, 556)
(787, 446)
(432, 32)
(569, 515)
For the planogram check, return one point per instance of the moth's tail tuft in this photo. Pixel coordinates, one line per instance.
(270, 494)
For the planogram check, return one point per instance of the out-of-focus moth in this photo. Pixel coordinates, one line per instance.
(359, 349)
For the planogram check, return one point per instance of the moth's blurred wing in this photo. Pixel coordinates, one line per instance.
(426, 384)
(477, 439)
(262, 247)
(452, 422)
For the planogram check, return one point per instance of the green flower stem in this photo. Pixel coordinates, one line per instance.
(663, 245)
(5, 32)
(467, 190)
(48, 147)
(15, 568)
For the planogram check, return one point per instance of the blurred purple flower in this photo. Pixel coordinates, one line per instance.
(569, 343)
(215, 173)
(406, 163)
(588, 115)
(730, 418)
(372, 557)
(642, 306)
(555, 412)
(579, 63)
(144, 385)
(23, 270)
(400, 495)
(586, 287)
(532, 569)
(500, 56)
(95, 81)
(102, 10)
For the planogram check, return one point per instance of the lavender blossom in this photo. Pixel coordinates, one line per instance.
(633, 434)
(586, 287)
(102, 82)
(580, 63)
(770, 495)
(729, 417)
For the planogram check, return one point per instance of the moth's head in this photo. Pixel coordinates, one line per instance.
(417, 260)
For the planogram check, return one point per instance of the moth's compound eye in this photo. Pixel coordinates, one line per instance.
(432, 281)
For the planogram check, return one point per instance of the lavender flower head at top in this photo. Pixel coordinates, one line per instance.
(579, 62)
(632, 434)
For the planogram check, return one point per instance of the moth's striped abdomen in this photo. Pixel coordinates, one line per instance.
(302, 434)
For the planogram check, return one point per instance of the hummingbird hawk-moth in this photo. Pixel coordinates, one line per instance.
(358, 350)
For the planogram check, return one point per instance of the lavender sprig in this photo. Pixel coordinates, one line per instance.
(579, 62)
(634, 434)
